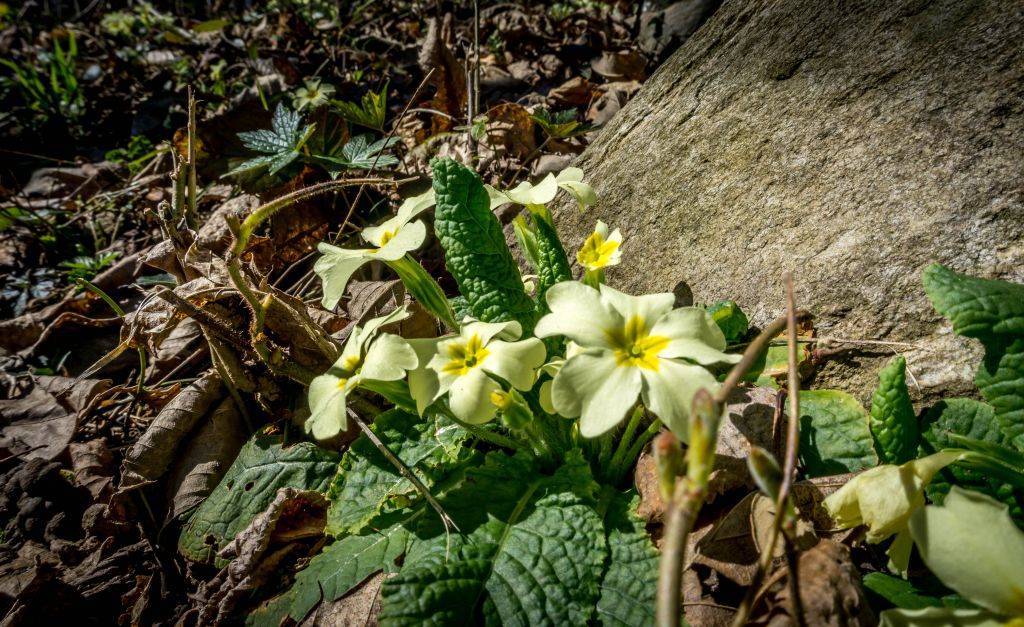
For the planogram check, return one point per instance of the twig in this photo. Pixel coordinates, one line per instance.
(449, 524)
(205, 319)
(191, 217)
(688, 495)
(782, 504)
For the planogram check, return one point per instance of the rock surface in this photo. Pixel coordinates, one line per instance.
(851, 144)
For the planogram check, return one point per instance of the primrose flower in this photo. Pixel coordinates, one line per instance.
(974, 547)
(368, 355)
(569, 179)
(312, 95)
(884, 498)
(601, 249)
(392, 239)
(629, 347)
(464, 367)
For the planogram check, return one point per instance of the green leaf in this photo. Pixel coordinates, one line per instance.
(630, 581)
(370, 112)
(333, 573)
(976, 420)
(893, 423)
(552, 262)
(834, 434)
(730, 319)
(281, 144)
(367, 483)
(475, 251)
(993, 312)
(976, 307)
(900, 592)
(560, 124)
(531, 551)
(250, 484)
(1000, 378)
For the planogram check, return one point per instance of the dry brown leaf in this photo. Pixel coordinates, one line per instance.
(830, 590)
(370, 299)
(205, 458)
(575, 92)
(93, 464)
(449, 77)
(628, 65)
(253, 560)
(42, 422)
(358, 608)
(748, 420)
(510, 130)
(151, 455)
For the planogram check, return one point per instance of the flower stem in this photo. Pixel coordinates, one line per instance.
(483, 434)
(624, 444)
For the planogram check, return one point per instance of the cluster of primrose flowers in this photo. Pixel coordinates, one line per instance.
(618, 348)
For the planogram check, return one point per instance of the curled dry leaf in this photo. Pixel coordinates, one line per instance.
(151, 455)
(830, 589)
(293, 514)
(449, 78)
(748, 421)
(627, 65)
(206, 457)
(93, 465)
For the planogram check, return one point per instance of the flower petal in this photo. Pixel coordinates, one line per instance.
(515, 362)
(327, 407)
(940, 617)
(388, 358)
(423, 384)
(415, 205)
(497, 198)
(973, 546)
(693, 335)
(470, 397)
(487, 331)
(335, 268)
(605, 391)
(570, 174)
(578, 313)
(669, 391)
(539, 194)
(648, 307)
(406, 239)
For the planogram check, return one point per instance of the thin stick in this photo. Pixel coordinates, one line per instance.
(788, 471)
(688, 496)
(191, 217)
(449, 524)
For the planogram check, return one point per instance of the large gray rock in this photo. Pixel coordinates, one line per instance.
(852, 143)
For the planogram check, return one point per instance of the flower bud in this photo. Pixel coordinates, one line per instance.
(668, 459)
(515, 411)
(765, 471)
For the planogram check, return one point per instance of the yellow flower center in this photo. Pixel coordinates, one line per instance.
(387, 237)
(464, 357)
(349, 366)
(635, 347)
(596, 252)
